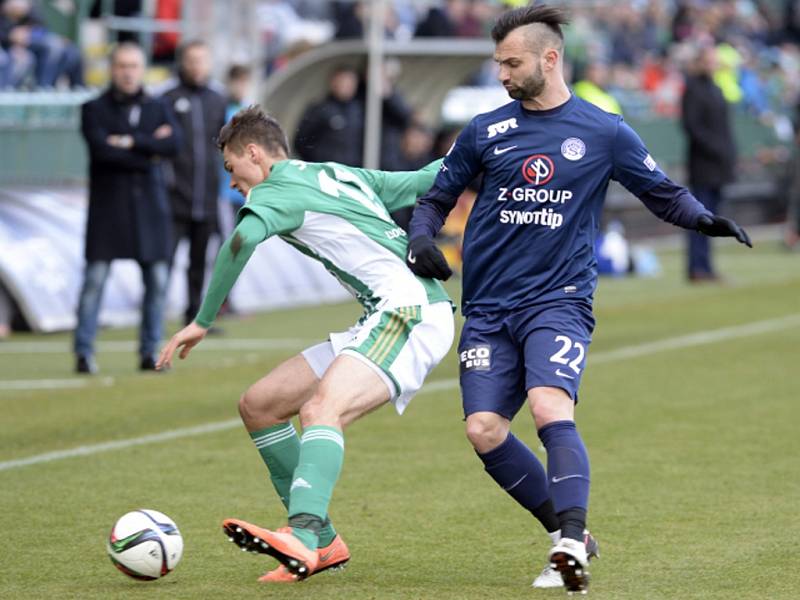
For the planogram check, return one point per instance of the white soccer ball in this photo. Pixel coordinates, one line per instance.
(145, 544)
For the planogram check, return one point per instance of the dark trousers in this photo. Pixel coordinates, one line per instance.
(699, 256)
(198, 233)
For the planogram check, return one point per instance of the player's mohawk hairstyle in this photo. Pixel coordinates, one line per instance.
(551, 16)
(252, 125)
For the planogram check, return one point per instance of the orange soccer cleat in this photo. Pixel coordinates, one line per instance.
(334, 556)
(281, 545)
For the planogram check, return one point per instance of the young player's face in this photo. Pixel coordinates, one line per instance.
(245, 169)
(520, 69)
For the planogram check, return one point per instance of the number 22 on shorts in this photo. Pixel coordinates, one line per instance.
(560, 356)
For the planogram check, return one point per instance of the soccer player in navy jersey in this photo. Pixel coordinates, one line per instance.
(529, 270)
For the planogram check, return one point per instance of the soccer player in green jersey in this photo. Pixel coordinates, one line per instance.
(339, 216)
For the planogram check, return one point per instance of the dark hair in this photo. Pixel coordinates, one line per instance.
(551, 16)
(252, 125)
(343, 68)
(186, 46)
(238, 72)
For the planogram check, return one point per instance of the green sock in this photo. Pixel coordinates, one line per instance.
(279, 448)
(318, 468)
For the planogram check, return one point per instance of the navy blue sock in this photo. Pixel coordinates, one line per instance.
(517, 470)
(568, 472)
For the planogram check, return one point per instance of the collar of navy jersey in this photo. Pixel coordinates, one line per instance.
(550, 112)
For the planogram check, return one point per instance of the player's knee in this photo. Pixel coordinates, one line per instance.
(248, 406)
(256, 409)
(486, 432)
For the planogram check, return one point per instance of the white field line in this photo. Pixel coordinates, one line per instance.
(130, 345)
(164, 436)
(53, 384)
(635, 351)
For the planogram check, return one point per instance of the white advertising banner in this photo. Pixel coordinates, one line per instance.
(41, 266)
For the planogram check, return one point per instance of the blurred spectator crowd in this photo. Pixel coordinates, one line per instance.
(636, 51)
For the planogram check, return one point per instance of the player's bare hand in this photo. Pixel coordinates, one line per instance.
(186, 339)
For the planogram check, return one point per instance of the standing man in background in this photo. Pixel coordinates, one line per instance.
(333, 129)
(712, 153)
(194, 190)
(127, 133)
(237, 88)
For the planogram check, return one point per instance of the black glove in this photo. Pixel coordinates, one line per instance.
(717, 226)
(426, 260)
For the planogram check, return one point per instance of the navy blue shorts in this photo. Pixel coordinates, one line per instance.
(503, 355)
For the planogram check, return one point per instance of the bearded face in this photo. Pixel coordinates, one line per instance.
(529, 88)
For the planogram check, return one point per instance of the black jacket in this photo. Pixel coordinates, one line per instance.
(705, 118)
(129, 215)
(194, 181)
(332, 130)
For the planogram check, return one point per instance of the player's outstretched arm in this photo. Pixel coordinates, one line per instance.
(717, 226)
(675, 204)
(232, 257)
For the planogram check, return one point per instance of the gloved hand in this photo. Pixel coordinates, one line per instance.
(426, 260)
(717, 226)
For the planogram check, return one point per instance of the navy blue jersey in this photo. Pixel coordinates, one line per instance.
(530, 236)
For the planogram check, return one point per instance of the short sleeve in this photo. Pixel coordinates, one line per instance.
(633, 166)
(461, 164)
(275, 208)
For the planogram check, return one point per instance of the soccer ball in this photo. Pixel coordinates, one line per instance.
(145, 544)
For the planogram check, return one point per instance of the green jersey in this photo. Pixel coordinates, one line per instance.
(339, 215)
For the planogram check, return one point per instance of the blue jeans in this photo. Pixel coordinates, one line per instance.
(155, 277)
(699, 258)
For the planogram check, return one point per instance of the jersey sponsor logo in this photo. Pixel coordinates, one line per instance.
(546, 217)
(533, 195)
(538, 169)
(650, 163)
(498, 150)
(501, 127)
(477, 358)
(395, 233)
(573, 148)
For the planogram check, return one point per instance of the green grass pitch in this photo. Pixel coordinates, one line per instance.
(694, 446)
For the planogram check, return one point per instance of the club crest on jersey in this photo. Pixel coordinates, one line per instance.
(477, 358)
(573, 148)
(538, 169)
(501, 127)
